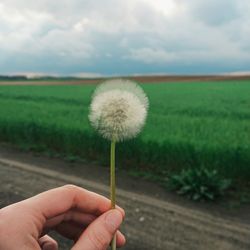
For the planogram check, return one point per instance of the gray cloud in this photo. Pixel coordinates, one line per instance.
(113, 36)
(214, 12)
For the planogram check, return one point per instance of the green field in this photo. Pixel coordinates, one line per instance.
(189, 125)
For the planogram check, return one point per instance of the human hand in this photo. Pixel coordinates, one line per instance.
(75, 213)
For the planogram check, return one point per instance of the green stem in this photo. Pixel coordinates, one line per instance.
(112, 185)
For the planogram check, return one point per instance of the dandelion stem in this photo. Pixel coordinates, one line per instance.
(112, 185)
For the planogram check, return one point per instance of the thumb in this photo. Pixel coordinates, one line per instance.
(99, 233)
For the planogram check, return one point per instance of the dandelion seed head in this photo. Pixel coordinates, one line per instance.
(118, 112)
(124, 85)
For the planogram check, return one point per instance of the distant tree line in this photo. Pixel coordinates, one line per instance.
(41, 78)
(13, 78)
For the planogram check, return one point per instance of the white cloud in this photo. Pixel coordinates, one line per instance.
(87, 75)
(18, 28)
(168, 8)
(102, 35)
(81, 25)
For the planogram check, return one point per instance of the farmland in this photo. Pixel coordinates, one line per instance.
(190, 124)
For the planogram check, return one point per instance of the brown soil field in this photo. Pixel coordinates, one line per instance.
(141, 79)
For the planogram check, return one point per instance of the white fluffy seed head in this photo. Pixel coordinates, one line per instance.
(118, 110)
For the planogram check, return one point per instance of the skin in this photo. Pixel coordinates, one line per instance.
(77, 214)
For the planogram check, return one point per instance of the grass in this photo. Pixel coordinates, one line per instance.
(189, 125)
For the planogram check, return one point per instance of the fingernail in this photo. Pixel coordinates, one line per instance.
(113, 219)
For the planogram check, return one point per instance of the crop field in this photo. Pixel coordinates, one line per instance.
(190, 124)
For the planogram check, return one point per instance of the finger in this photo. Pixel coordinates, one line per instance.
(73, 232)
(68, 197)
(120, 239)
(47, 243)
(71, 216)
(99, 234)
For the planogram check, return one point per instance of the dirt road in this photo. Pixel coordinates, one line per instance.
(150, 223)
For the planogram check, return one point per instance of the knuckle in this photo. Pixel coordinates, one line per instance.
(71, 187)
(47, 242)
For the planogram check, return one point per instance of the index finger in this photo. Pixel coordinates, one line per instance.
(59, 200)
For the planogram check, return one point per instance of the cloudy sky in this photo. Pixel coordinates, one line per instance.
(111, 37)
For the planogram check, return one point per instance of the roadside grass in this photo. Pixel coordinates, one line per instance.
(199, 124)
